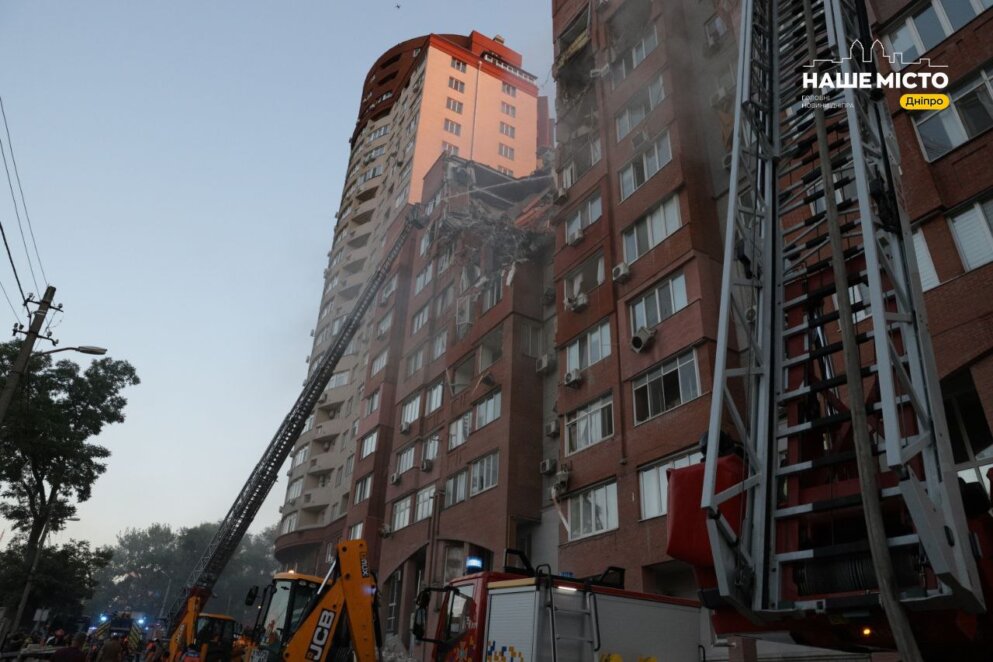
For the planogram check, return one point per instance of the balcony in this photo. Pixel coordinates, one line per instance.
(315, 499)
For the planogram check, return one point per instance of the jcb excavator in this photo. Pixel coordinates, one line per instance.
(349, 590)
(303, 617)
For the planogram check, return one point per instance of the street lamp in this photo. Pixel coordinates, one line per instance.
(82, 349)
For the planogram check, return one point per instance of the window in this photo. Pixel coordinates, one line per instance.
(659, 303)
(507, 130)
(308, 425)
(930, 25)
(484, 473)
(492, 293)
(431, 444)
(456, 84)
(339, 378)
(453, 105)
(586, 214)
(973, 232)
(488, 410)
(655, 484)
(368, 444)
(425, 500)
(634, 56)
(505, 171)
(593, 511)
(506, 151)
(507, 109)
(439, 345)
(372, 402)
(453, 127)
(508, 89)
(645, 165)
(349, 463)
(363, 488)
(424, 244)
(389, 288)
(379, 133)
(642, 103)
(289, 523)
(445, 259)
(405, 459)
(355, 531)
(379, 362)
(589, 348)
(415, 361)
(586, 277)
(336, 324)
(443, 300)
(969, 114)
(455, 488)
(490, 348)
(458, 430)
(411, 409)
(651, 229)
(422, 279)
(925, 266)
(463, 373)
(667, 386)
(420, 318)
(589, 424)
(434, 395)
(295, 489)
(458, 64)
(449, 148)
(301, 455)
(401, 513)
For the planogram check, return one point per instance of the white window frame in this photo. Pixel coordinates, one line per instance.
(405, 459)
(984, 79)
(485, 473)
(459, 430)
(367, 445)
(579, 353)
(452, 127)
(434, 398)
(586, 214)
(676, 286)
(589, 417)
(363, 489)
(379, 362)
(983, 232)
(401, 513)
(488, 409)
(603, 495)
(420, 319)
(431, 444)
(456, 488)
(411, 410)
(671, 364)
(424, 502)
(661, 222)
(652, 163)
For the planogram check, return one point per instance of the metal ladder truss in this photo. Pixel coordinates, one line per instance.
(780, 385)
(234, 525)
(588, 613)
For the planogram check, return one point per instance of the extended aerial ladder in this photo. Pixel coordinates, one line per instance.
(225, 542)
(829, 487)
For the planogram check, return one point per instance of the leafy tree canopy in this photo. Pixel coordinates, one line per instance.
(151, 565)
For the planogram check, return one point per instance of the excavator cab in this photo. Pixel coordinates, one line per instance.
(215, 634)
(285, 603)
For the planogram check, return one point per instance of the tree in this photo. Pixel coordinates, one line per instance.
(47, 464)
(65, 578)
(151, 565)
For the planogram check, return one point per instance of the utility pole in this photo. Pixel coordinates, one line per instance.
(28, 585)
(21, 362)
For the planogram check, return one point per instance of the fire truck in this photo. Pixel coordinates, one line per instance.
(526, 613)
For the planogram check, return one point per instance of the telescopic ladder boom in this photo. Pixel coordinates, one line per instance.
(825, 373)
(232, 529)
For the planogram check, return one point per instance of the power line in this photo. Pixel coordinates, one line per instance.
(3, 233)
(13, 198)
(12, 309)
(24, 203)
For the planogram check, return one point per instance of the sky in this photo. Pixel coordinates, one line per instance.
(182, 161)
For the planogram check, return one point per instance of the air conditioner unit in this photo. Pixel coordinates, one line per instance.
(639, 138)
(573, 378)
(547, 467)
(642, 339)
(578, 302)
(544, 364)
(575, 237)
(621, 273)
(394, 478)
(552, 428)
(323, 398)
(600, 72)
(405, 427)
(385, 531)
(548, 296)
(561, 193)
(560, 483)
(426, 465)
